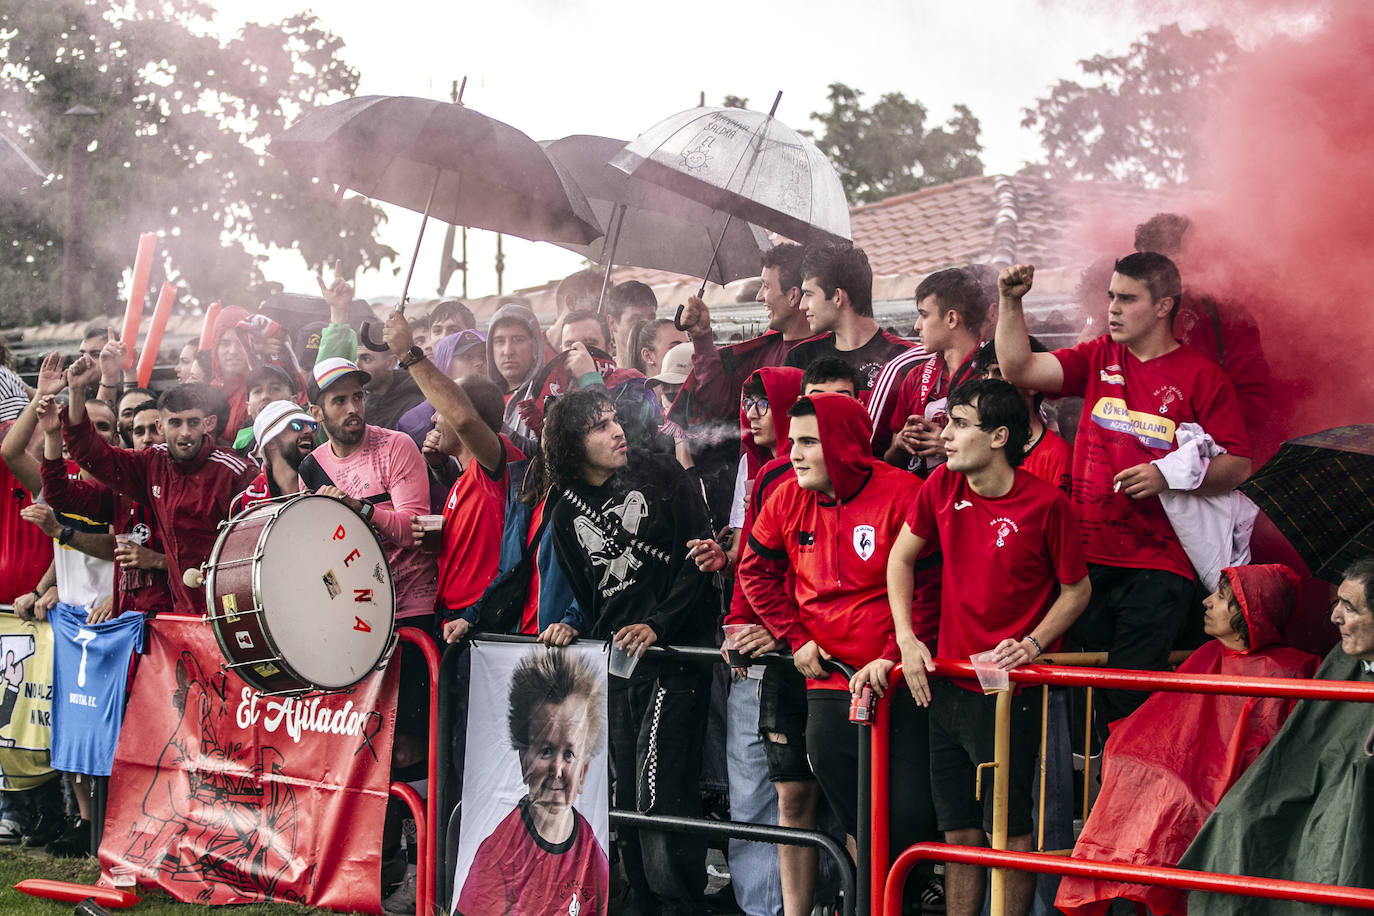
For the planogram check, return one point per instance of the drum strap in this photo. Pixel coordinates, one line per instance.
(314, 476)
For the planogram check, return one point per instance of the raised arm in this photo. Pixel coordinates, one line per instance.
(122, 470)
(1019, 365)
(15, 448)
(447, 397)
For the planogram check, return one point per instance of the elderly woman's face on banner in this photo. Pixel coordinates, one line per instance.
(555, 764)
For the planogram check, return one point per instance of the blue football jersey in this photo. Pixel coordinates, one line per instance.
(90, 667)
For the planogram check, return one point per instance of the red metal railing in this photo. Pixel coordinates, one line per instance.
(1167, 681)
(426, 826)
(1046, 864)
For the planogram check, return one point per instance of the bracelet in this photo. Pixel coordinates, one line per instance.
(1035, 642)
(66, 535)
(37, 594)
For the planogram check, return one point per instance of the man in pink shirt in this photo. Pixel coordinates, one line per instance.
(379, 474)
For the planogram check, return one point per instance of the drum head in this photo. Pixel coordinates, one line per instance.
(325, 591)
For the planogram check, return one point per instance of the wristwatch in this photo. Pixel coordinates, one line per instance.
(413, 356)
(66, 535)
(366, 510)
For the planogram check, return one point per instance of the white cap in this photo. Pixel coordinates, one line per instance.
(274, 419)
(677, 362)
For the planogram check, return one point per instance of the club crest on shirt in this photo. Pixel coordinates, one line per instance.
(1005, 528)
(864, 541)
(1167, 395)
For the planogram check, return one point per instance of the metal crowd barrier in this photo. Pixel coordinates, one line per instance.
(886, 885)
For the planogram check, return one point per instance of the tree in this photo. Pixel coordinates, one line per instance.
(1135, 121)
(887, 150)
(178, 145)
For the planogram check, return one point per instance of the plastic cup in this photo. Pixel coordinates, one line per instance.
(432, 536)
(990, 677)
(737, 659)
(125, 539)
(622, 663)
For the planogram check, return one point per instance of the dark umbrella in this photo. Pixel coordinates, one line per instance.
(17, 170)
(1319, 491)
(650, 226)
(443, 160)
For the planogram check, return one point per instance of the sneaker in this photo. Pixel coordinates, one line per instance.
(10, 832)
(74, 842)
(402, 900)
(933, 896)
(47, 827)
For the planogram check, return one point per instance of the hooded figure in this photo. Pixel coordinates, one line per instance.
(782, 384)
(512, 425)
(232, 385)
(1183, 751)
(835, 547)
(418, 420)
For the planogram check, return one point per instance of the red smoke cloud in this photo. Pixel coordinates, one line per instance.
(1289, 226)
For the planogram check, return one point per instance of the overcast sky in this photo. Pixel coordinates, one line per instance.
(615, 67)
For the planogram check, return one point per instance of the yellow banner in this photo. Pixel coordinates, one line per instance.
(25, 702)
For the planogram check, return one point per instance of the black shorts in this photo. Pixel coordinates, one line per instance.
(782, 723)
(962, 735)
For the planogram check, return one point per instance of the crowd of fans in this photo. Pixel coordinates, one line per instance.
(828, 489)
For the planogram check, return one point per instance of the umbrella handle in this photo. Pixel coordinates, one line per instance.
(376, 345)
(677, 319)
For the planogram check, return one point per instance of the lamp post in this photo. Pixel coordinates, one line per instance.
(73, 241)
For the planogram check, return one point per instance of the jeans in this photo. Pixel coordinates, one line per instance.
(657, 726)
(753, 866)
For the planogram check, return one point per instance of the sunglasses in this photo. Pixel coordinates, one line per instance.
(297, 425)
(747, 404)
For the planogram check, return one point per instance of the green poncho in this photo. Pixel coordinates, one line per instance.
(1304, 811)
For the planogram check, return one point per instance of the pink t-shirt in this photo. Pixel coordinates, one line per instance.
(388, 463)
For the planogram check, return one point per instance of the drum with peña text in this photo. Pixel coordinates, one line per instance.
(300, 596)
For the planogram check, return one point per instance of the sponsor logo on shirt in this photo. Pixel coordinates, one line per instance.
(864, 541)
(962, 504)
(1005, 528)
(157, 491)
(1112, 376)
(806, 538)
(1152, 431)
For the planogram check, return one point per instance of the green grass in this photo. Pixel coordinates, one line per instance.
(18, 863)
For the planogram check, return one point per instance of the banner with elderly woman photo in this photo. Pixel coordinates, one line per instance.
(535, 793)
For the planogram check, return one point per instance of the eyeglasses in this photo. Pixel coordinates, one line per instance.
(298, 425)
(747, 404)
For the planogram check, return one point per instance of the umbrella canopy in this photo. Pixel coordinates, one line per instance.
(658, 228)
(1319, 491)
(442, 159)
(17, 170)
(745, 163)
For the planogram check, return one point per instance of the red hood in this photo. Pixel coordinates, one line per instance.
(846, 441)
(1267, 596)
(228, 320)
(782, 385)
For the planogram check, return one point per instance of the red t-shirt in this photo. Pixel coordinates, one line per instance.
(838, 554)
(1130, 412)
(517, 872)
(471, 547)
(1013, 552)
(25, 551)
(1051, 459)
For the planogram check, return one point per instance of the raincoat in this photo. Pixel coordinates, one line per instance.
(1303, 811)
(1180, 752)
(514, 427)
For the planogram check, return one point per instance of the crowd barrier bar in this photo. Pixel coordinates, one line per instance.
(424, 845)
(1183, 879)
(1165, 681)
(427, 832)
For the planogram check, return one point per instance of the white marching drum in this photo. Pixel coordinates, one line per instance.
(300, 596)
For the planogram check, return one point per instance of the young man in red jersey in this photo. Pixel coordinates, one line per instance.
(1020, 580)
(1139, 385)
(830, 529)
(1048, 456)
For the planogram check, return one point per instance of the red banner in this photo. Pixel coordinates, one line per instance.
(225, 796)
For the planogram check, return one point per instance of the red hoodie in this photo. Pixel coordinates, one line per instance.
(782, 385)
(836, 548)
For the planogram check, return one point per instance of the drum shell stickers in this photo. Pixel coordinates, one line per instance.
(300, 596)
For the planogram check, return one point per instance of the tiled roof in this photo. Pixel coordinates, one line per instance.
(998, 219)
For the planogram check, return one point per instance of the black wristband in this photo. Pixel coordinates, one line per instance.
(1035, 642)
(37, 594)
